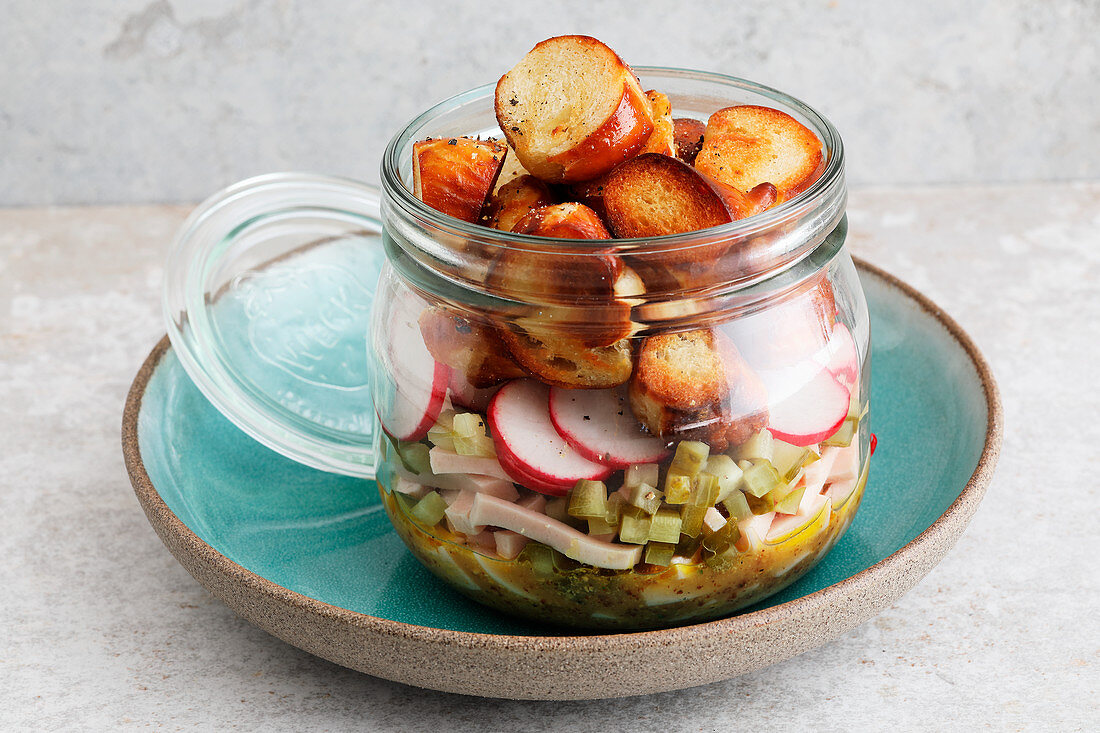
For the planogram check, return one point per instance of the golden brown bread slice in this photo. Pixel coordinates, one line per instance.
(554, 356)
(688, 136)
(653, 195)
(663, 138)
(455, 175)
(572, 109)
(467, 345)
(510, 171)
(515, 200)
(694, 385)
(563, 221)
(748, 145)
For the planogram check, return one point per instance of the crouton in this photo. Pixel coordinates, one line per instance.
(694, 385)
(515, 200)
(467, 345)
(663, 138)
(748, 145)
(563, 221)
(572, 110)
(455, 175)
(687, 133)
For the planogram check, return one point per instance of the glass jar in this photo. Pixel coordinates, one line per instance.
(620, 433)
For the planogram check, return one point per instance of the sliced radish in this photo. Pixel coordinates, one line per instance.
(418, 382)
(840, 356)
(529, 448)
(599, 425)
(811, 411)
(467, 395)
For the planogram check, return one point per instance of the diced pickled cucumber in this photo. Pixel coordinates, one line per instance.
(467, 424)
(688, 546)
(788, 459)
(737, 506)
(691, 456)
(789, 503)
(677, 488)
(704, 493)
(540, 557)
(722, 561)
(440, 434)
(600, 527)
(588, 500)
(665, 525)
(842, 438)
(723, 539)
(414, 457)
(645, 497)
(660, 553)
(615, 504)
(691, 519)
(726, 471)
(634, 526)
(760, 447)
(641, 473)
(429, 509)
(474, 445)
(760, 478)
(767, 502)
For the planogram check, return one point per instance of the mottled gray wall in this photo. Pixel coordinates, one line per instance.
(168, 100)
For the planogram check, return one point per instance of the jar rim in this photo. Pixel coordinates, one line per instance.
(792, 209)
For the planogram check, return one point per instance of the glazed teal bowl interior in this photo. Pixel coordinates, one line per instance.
(326, 536)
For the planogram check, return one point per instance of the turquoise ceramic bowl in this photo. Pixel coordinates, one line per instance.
(310, 556)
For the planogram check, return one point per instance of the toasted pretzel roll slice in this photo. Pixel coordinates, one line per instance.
(695, 385)
(455, 175)
(515, 200)
(688, 136)
(653, 195)
(749, 145)
(468, 346)
(572, 109)
(563, 221)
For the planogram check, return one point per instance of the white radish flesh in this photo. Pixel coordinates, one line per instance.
(529, 447)
(809, 413)
(599, 424)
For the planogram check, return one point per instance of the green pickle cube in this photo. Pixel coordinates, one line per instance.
(600, 527)
(677, 488)
(615, 504)
(665, 526)
(634, 526)
(660, 553)
(760, 447)
(429, 509)
(737, 506)
(760, 478)
(691, 519)
(588, 500)
(705, 491)
(728, 473)
(789, 503)
(645, 497)
(842, 438)
(414, 457)
(789, 459)
(641, 473)
(540, 557)
(722, 540)
(691, 456)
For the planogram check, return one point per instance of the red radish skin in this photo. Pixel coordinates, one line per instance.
(813, 412)
(419, 382)
(529, 448)
(599, 424)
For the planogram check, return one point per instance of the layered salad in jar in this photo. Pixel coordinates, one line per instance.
(593, 470)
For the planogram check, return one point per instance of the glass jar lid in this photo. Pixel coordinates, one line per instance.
(267, 299)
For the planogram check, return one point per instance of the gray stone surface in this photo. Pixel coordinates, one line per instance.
(131, 101)
(103, 630)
